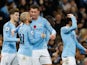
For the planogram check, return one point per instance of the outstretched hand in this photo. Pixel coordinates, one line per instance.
(70, 15)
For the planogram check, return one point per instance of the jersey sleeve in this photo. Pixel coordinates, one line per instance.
(73, 27)
(79, 46)
(49, 27)
(17, 28)
(7, 34)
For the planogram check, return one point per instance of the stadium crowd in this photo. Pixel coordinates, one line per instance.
(55, 12)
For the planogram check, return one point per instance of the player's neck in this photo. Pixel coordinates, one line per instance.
(67, 25)
(35, 18)
(27, 22)
(12, 21)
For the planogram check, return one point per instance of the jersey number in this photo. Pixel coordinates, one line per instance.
(21, 38)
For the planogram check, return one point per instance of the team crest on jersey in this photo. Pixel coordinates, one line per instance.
(7, 28)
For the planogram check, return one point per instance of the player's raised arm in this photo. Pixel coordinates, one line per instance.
(71, 20)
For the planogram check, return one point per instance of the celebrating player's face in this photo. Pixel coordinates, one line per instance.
(34, 13)
(25, 17)
(16, 16)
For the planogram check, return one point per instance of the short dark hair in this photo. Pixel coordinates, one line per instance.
(68, 20)
(12, 11)
(35, 7)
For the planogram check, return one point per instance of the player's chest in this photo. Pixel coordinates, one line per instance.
(37, 26)
(72, 34)
(23, 30)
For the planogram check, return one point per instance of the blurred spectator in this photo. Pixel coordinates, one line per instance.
(51, 47)
(74, 11)
(1, 22)
(23, 6)
(79, 58)
(5, 9)
(73, 8)
(4, 13)
(83, 38)
(83, 35)
(49, 7)
(51, 20)
(85, 61)
(65, 5)
(81, 3)
(59, 22)
(82, 18)
(72, 3)
(56, 57)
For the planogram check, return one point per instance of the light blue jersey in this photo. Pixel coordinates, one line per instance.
(40, 26)
(69, 39)
(27, 39)
(9, 41)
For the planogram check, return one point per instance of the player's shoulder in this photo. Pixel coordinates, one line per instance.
(21, 29)
(28, 27)
(43, 19)
(6, 24)
(63, 28)
(25, 27)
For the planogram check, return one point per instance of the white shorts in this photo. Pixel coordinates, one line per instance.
(7, 58)
(15, 61)
(24, 60)
(41, 57)
(69, 61)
